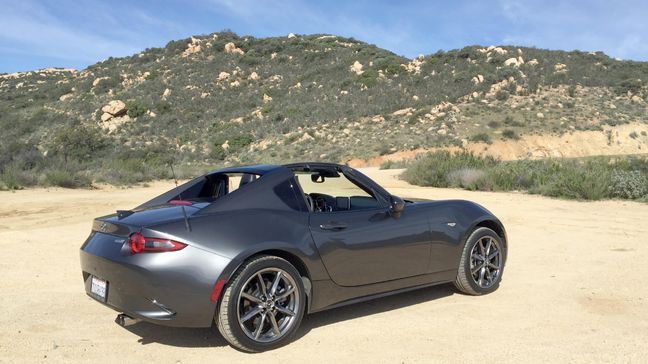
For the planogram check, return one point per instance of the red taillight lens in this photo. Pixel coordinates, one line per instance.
(140, 244)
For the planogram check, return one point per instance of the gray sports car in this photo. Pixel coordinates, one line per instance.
(256, 248)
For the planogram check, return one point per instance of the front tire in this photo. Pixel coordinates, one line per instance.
(262, 307)
(482, 263)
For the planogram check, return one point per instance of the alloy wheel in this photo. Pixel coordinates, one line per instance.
(486, 261)
(268, 304)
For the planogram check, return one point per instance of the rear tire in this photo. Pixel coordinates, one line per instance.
(263, 305)
(482, 263)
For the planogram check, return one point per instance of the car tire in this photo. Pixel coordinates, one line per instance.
(255, 316)
(482, 262)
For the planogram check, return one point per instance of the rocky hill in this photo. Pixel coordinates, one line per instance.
(222, 99)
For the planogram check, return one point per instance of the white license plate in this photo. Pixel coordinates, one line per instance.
(98, 287)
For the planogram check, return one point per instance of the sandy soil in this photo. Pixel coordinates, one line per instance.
(574, 290)
(624, 139)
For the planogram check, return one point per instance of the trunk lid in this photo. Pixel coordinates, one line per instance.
(124, 223)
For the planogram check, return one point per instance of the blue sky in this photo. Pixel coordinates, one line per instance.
(65, 33)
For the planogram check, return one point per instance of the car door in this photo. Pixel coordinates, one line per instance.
(370, 245)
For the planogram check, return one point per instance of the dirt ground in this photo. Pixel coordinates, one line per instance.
(574, 290)
(617, 140)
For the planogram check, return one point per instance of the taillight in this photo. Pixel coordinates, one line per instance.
(141, 244)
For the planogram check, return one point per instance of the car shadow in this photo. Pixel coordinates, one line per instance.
(210, 337)
(372, 307)
(176, 336)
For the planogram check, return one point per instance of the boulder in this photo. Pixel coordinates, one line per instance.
(105, 117)
(223, 76)
(266, 98)
(66, 96)
(514, 62)
(192, 47)
(253, 76)
(115, 108)
(356, 68)
(232, 49)
(559, 67)
(404, 112)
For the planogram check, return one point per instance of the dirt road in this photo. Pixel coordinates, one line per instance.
(574, 290)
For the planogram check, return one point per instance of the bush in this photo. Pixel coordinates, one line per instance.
(493, 124)
(510, 134)
(67, 179)
(368, 78)
(433, 168)
(583, 179)
(217, 152)
(239, 142)
(135, 109)
(481, 137)
(628, 185)
(502, 95)
(78, 142)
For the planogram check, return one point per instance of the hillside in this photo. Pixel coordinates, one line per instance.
(222, 99)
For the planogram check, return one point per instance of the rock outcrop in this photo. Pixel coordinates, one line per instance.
(232, 49)
(115, 108)
(356, 68)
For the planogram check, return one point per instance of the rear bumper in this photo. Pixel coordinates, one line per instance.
(171, 288)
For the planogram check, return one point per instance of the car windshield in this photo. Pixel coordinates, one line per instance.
(327, 191)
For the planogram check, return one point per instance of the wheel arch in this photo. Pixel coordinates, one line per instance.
(494, 225)
(290, 257)
(490, 222)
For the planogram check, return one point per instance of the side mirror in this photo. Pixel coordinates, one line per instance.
(396, 205)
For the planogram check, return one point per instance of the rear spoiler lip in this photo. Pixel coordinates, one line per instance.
(107, 227)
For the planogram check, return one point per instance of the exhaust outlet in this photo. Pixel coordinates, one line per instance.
(125, 320)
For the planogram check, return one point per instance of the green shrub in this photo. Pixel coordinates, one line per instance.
(105, 85)
(584, 179)
(433, 168)
(67, 179)
(509, 134)
(493, 124)
(135, 109)
(628, 184)
(240, 141)
(217, 152)
(79, 142)
(481, 137)
(502, 95)
(368, 78)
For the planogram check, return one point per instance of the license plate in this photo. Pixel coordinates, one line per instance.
(98, 288)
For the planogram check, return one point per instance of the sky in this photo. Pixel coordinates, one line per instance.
(65, 33)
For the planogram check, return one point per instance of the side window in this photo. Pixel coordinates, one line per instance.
(331, 192)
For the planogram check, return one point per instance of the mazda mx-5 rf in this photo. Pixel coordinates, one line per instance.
(255, 248)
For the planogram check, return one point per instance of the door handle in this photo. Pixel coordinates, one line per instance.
(333, 226)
